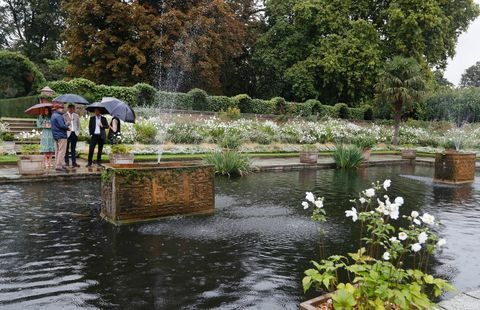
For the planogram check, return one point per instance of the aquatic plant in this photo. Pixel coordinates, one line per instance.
(348, 157)
(377, 277)
(229, 163)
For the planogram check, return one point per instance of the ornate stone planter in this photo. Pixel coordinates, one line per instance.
(321, 302)
(31, 164)
(409, 154)
(308, 157)
(144, 192)
(454, 168)
(121, 159)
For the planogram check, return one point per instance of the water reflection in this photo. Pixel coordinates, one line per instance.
(250, 254)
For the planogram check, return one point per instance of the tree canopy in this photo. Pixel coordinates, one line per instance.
(331, 49)
(471, 76)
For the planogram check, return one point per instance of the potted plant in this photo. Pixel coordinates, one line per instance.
(409, 152)
(309, 154)
(30, 161)
(121, 154)
(365, 144)
(388, 270)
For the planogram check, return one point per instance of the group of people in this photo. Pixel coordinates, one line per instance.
(60, 131)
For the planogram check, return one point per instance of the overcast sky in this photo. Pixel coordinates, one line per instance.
(468, 52)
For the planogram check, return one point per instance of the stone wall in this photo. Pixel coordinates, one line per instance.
(135, 193)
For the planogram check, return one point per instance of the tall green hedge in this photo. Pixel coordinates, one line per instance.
(15, 107)
(199, 100)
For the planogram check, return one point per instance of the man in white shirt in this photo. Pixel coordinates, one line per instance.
(98, 136)
(73, 133)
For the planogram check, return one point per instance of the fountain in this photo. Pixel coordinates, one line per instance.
(134, 193)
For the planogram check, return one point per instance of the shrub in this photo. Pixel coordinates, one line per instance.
(20, 76)
(364, 142)
(342, 110)
(146, 95)
(348, 157)
(121, 149)
(15, 107)
(367, 112)
(184, 133)
(356, 113)
(280, 105)
(146, 133)
(199, 99)
(30, 149)
(260, 106)
(262, 137)
(179, 101)
(230, 163)
(219, 103)
(231, 141)
(230, 114)
(244, 103)
(328, 111)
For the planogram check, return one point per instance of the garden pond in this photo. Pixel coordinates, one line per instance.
(56, 253)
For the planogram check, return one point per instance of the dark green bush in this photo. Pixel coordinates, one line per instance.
(146, 95)
(15, 107)
(342, 110)
(367, 112)
(328, 111)
(146, 133)
(19, 76)
(199, 99)
(219, 103)
(356, 113)
(260, 106)
(280, 105)
(244, 103)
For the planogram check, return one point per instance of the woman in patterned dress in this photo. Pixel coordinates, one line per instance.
(47, 144)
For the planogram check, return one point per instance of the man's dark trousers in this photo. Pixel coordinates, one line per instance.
(96, 140)
(71, 148)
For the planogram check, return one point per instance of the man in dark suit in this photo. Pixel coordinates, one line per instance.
(98, 136)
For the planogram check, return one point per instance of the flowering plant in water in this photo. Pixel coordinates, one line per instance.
(376, 272)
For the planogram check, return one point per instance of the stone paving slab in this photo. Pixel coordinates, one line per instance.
(462, 301)
(475, 294)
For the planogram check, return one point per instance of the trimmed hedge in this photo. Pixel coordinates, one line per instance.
(198, 100)
(15, 107)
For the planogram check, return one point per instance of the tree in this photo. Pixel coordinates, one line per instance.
(170, 44)
(471, 76)
(20, 76)
(32, 27)
(301, 43)
(400, 83)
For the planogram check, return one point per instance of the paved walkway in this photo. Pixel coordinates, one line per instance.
(9, 173)
(463, 301)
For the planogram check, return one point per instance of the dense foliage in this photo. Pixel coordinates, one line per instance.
(471, 76)
(455, 105)
(20, 76)
(348, 156)
(229, 163)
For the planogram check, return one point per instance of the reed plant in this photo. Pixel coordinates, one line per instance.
(348, 156)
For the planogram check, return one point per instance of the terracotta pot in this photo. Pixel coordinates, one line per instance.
(409, 154)
(31, 164)
(308, 157)
(121, 159)
(366, 154)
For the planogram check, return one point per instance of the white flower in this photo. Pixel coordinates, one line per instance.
(394, 239)
(386, 184)
(352, 213)
(309, 197)
(417, 221)
(319, 203)
(402, 236)
(305, 205)
(414, 214)
(386, 256)
(441, 242)
(399, 201)
(428, 219)
(380, 208)
(416, 247)
(422, 237)
(394, 214)
(362, 200)
(370, 192)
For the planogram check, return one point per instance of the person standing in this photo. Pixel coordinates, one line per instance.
(114, 131)
(47, 144)
(72, 135)
(59, 132)
(98, 136)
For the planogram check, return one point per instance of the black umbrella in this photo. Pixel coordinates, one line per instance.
(71, 98)
(97, 105)
(118, 108)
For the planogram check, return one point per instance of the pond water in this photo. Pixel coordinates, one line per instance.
(250, 254)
